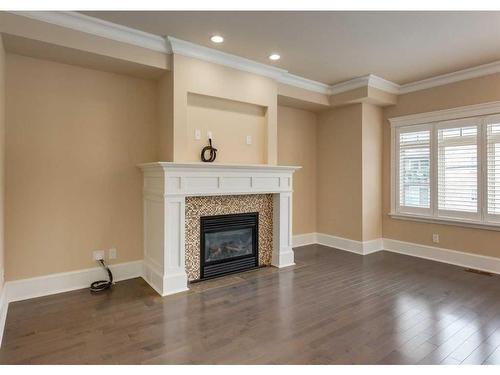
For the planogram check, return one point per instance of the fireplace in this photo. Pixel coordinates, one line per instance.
(228, 244)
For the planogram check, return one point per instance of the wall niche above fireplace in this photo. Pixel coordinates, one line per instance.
(228, 244)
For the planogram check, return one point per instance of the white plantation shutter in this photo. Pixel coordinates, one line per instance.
(457, 168)
(493, 167)
(414, 169)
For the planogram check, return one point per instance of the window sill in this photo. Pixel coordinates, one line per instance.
(456, 222)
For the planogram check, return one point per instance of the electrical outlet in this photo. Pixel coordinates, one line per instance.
(209, 134)
(435, 238)
(197, 134)
(98, 254)
(112, 253)
(249, 139)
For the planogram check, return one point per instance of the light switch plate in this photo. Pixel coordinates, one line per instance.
(112, 253)
(197, 134)
(249, 139)
(435, 238)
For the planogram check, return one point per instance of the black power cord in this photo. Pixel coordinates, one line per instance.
(99, 286)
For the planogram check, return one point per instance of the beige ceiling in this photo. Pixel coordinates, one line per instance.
(332, 47)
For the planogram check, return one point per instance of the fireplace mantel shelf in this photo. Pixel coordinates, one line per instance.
(211, 166)
(166, 186)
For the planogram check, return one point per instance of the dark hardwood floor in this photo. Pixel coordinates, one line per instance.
(333, 307)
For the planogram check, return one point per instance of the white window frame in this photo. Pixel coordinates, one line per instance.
(490, 218)
(440, 213)
(480, 115)
(408, 209)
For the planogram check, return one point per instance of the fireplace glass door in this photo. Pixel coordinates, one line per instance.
(229, 243)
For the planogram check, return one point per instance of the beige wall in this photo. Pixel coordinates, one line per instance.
(297, 141)
(474, 91)
(74, 137)
(2, 160)
(339, 171)
(165, 117)
(372, 130)
(231, 85)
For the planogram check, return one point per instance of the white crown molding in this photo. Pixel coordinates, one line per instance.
(96, 26)
(445, 79)
(351, 84)
(383, 84)
(113, 31)
(304, 83)
(368, 80)
(446, 114)
(212, 55)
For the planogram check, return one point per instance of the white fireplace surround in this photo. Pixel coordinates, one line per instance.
(167, 184)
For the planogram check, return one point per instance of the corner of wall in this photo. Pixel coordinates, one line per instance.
(372, 148)
(2, 163)
(165, 117)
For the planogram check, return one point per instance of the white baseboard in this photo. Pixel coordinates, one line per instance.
(62, 282)
(3, 311)
(18, 290)
(304, 239)
(358, 247)
(457, 258)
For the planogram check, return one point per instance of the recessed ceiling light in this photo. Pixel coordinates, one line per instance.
(274, 57)
(217, 39)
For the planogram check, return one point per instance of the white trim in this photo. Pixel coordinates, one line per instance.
(23, 289)
(99, 27)
(438, 254)
(165, 188)
(18, 290)
(446, 114)
(457, 258)
(197, 51)
(304, 83)
(368, 80)
(4, 304)
(383, 84)
(455, 117)
(358, 247)
(445, 79)
(304, 239)
(110, 30)
(215, 56)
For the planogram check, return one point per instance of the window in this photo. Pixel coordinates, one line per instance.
(414, 169)
(493, 169)
(447, 169)
(457, 163)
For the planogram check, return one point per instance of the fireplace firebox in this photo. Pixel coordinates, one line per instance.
(229, 244)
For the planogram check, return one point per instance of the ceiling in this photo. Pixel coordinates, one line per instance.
(332, 47)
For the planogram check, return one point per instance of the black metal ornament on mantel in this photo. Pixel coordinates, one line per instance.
(212, 152)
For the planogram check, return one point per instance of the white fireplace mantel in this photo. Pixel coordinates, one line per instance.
(167, 184)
